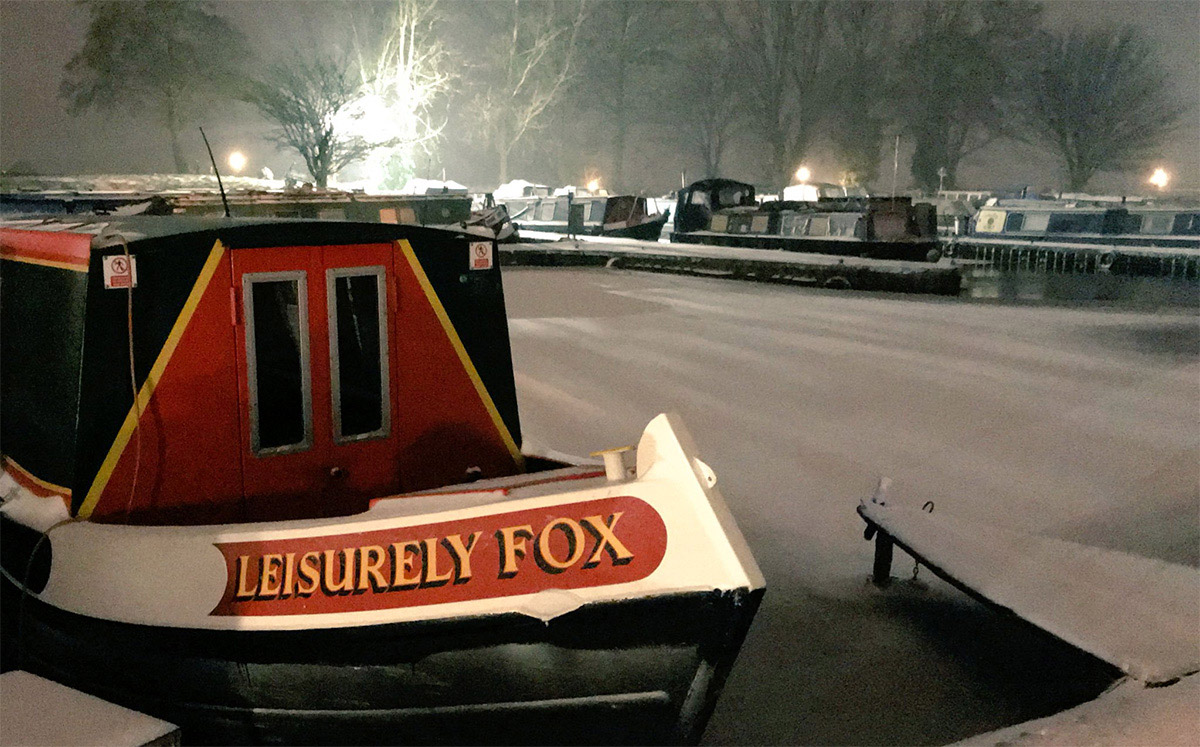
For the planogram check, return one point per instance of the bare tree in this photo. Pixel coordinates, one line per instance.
(861, 103)
(780, 46)
(622, 41)
(404, 71)
(1100, 101)
(528, 71)
(960, 67)
(703, 101)
(169, 56)
(310, 99)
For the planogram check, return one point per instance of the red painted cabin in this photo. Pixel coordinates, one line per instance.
(285, 369)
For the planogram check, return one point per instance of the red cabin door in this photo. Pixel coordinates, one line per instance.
(316, 370)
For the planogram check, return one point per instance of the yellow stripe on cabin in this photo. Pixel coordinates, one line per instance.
(74, 267)
(463, 356)
(152, 379)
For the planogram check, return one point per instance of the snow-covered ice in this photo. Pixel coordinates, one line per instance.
(1077, 423)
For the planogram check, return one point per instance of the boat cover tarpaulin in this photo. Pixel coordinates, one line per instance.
(1136, 613)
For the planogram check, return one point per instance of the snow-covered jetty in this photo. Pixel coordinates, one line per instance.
(762, 265)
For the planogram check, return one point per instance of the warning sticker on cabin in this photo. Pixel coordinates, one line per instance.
(566, 546)
(120, 271)
(481, 255)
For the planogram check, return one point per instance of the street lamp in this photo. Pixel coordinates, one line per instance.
(802, 174)
(1160, 178)
(237, 161)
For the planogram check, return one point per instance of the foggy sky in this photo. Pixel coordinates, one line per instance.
(37, 38)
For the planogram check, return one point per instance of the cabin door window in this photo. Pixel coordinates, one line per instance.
(277, 362)
(358, 352)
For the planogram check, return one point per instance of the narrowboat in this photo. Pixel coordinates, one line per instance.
(1072, 221)
(724, 212)
(324, 204)
(264, 479)
(620, 216)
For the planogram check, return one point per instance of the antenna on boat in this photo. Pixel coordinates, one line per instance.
(895, 166)
(216, 171)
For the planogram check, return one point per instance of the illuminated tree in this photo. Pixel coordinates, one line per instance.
(1099, 101)
(169, 57)
(402, 66)
(311, 100)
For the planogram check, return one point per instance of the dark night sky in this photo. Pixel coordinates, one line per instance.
(38, 37)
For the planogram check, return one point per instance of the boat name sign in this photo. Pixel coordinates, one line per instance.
(564, 546)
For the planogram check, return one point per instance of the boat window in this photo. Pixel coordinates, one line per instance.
(277, 366)
(1036, 221)
(1014, 222)
(699, 198)
(819, 226)
(358, 352)
(1157, 223)
(545, 210)
(730, 196)
(1075, 223)
(560, 209)
(842, 225)
(596, 213)
(1186, 224)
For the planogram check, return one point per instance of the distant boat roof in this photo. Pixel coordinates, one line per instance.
(520, 188)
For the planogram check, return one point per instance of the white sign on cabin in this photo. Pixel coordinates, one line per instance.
(120, 271)
(481, 255)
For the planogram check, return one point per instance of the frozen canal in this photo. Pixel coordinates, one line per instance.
(1076, 422)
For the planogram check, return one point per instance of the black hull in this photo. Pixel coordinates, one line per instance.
(639, 671)
(913, 251)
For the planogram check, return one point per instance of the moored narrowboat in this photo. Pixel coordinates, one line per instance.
(1075, 221)
(264, 479)
(619, 216)
(724, 212)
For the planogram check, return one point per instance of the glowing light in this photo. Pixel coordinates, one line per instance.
(803, 174)
(237, 161)
(1160, 178)
(593, 185)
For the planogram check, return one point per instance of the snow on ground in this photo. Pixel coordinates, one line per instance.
(1129, 714)
(1078, 423)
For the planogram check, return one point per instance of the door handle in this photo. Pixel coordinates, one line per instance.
(337, 473)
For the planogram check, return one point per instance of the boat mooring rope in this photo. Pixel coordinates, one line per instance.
(137, 409)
